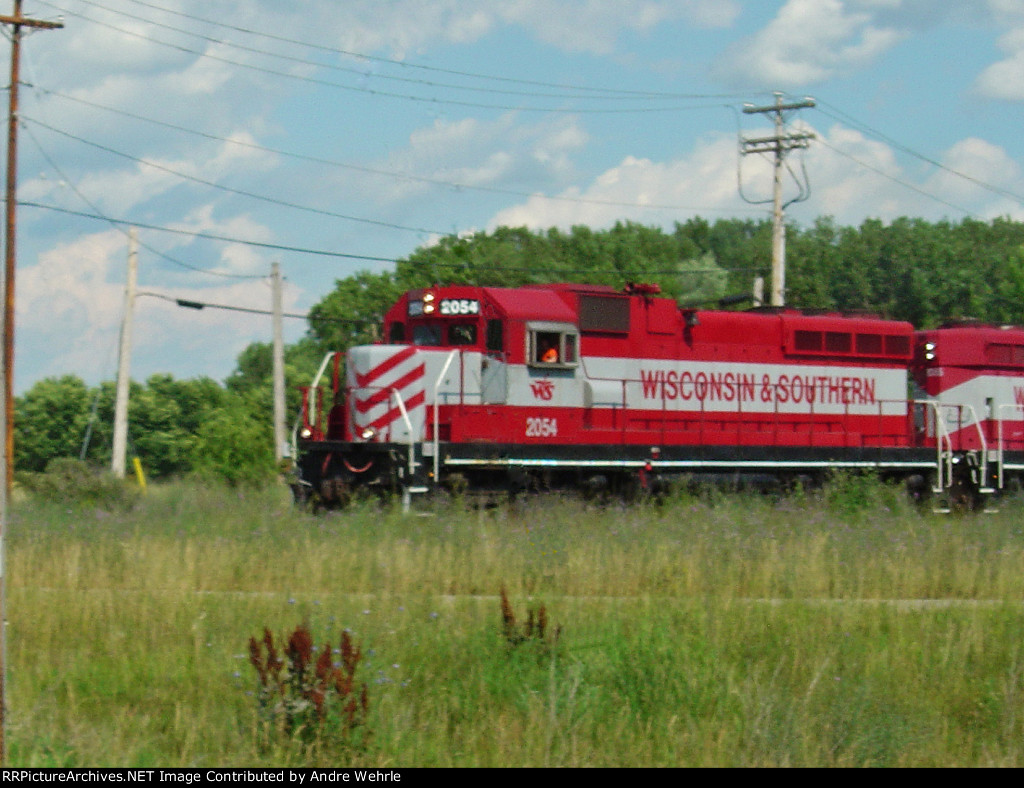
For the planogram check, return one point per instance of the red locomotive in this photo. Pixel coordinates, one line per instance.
(574, 386)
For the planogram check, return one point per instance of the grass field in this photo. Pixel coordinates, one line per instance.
(836, 628)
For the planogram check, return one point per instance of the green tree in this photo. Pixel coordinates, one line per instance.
(235, 445)
(50, 421)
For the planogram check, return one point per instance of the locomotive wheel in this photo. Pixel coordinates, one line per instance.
(963, 496)
(335, 492)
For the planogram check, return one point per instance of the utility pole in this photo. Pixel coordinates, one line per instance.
(120, 450)
(778, 144)
(17, 22)
(279, 427)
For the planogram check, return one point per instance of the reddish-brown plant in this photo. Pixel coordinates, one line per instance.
(535, 628)
(306, 697)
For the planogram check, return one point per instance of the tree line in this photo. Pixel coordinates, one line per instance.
(909, 269)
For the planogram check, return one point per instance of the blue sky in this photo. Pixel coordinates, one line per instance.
(325, 135)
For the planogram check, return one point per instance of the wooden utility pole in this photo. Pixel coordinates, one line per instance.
(779, 144)
(17, 22)
(119, 454)
(279, 426)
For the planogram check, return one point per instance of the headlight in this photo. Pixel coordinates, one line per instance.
(367, 433)
(306, 432)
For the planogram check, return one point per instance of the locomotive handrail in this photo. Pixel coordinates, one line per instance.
(437, 388)
(984, 447)
(408, 425)
(1002, 444)
(941, 433)
(312, 387)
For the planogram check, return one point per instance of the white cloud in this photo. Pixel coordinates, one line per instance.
(807, 42)
(119, 191)
(503, 153)
(703, 182)
(407, 26)
(1004, 79)
(851, 177)
(71, 302)
(991, 172)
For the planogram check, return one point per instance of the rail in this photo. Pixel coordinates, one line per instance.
(312, 387)
(408, 426)
(437, 388)
(941, 436)
(1000, 453)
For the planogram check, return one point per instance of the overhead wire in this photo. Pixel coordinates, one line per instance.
(594, 94)
(402, 64)
(118, 225)
(844, 117)
(433, 100)
(189, 303)
(205, 235)
(231, 190)
(607, 93)
(899, 181)
(394, 174)
(345, 255)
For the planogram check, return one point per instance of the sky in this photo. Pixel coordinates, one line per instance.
(333, 137)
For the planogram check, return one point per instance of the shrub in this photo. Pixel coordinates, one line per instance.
(308, 697)
(72, 481)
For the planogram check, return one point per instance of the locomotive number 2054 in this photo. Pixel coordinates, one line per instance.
(541, 427)
(459, 306)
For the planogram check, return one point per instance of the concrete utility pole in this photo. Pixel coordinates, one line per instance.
(120, 451)
(279, 426)
(17, 22)
(779, 144)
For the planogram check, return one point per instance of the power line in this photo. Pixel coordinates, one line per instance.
(399, 176)
(368, 91)
(459, 266)
(595, 94)
(229, 189)
(844, 117)
(207, 236)
(894, 179)
(117, 225)
(198, 305)
(612, 92)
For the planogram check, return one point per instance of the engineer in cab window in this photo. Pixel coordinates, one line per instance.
(548, 351)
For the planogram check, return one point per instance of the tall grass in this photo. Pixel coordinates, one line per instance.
(824, 628)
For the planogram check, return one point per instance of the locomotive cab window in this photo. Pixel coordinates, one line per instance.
(397, 333)
(495, 336)
(426, 335)
(462, 334)
(552, 345)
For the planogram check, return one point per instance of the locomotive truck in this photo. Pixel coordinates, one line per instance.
(569, 386)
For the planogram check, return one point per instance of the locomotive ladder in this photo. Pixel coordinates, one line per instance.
(409, 486)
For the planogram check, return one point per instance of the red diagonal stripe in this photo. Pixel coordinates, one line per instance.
(396, 412)
(363, 380)
(379, 396)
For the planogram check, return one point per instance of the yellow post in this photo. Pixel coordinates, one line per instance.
(139, 474)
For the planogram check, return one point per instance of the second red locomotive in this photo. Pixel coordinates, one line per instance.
(569, 386)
